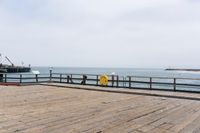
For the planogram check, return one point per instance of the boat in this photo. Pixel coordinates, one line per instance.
(4, 68)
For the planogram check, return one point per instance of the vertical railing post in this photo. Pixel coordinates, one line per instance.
(97, 80)
(5, 78)
(112, 80)
(129, 81)
(20, 78)
(50, 75)
(68, 78)
(60, 78)
(117, 81)
(124, 83)
(1, 77)
(150, 82)
(36, 78)
(71, 78)
(174, 84)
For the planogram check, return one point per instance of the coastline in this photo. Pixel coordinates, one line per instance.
(178, 69)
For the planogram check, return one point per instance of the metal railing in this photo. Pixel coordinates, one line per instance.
(131, 82)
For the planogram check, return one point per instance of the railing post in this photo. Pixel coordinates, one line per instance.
(150, 82)
(1, 77)
(36, 78)
(112, 80)
(174, 84)
(117, 81)
(129, 81)
(71, 78)
(5, 78)
(50, 76)
(60, 78)
(124, 83)
(97, 80)
(68, 78)
(20, 78)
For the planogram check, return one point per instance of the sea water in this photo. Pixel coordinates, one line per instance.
(120, 71)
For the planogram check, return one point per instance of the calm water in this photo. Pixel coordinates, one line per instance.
(121, 72)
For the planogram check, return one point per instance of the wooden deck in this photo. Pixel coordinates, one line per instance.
(47, 109)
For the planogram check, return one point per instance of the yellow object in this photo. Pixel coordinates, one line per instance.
(104, 80)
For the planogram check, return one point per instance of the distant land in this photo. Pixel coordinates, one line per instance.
(178, 69)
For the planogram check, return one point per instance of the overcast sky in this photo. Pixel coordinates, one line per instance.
(101, 33)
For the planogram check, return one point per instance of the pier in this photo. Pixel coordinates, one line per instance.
(63, 102)
(60, 103)
(51, 109)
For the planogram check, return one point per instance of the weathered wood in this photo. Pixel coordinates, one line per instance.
(20, 78)
(129, 82)
(117, 81)
(174, 84)
(60, 78)
(42, 109)
(97, 80)
(1, 77)
(50, 75)
(150, 82)
(113, 78)
(68, 78)
(5, 78)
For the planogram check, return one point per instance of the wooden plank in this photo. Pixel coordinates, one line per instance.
(46, 109)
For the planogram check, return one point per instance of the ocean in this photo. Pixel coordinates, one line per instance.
(120, 71)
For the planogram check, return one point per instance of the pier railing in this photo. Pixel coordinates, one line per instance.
(130, 82)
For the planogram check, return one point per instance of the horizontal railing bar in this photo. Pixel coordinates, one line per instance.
(82, 74)
(127, 81)
(74, 74)
(154, 77)
(150, 77)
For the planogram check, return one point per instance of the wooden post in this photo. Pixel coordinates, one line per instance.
(50, 76)
(97, 80)
(150, 83)
(5, 78)
(68, 78)
(60, 78)
(174, 84)
(20, 78)
(71, 78)
(117, 81)
(112, 80)
(124, 81)
(1, 77)
(132, 79)
(36, 78)
(129, 81)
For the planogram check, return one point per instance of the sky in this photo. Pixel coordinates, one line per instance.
(101, 33)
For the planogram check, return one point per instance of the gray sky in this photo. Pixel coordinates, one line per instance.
(101, 33)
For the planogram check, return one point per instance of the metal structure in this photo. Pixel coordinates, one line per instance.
(9, 60)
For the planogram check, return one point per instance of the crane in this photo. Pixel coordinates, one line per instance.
(9, 60)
